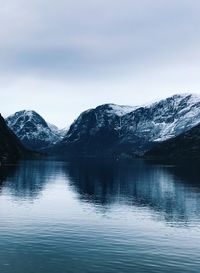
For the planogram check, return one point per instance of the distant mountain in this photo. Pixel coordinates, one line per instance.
(10, 147)
(186, 145)
(33, 131)
(116, 130)
(60, 132)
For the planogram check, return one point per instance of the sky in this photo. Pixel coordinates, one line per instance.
(62, 57)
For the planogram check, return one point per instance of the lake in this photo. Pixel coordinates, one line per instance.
(59, 216)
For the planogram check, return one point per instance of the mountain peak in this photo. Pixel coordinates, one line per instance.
(32, 129)
(189, 97)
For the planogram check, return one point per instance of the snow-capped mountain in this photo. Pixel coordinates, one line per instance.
(33, 131)
(111, 129)
(164, 119)
(57, 131)
(105, 117)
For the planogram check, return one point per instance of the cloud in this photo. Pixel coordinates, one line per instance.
(72, 55)
(71, 37)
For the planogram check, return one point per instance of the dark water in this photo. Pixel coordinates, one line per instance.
(60, 217)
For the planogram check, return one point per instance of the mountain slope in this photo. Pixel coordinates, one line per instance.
(186, 145)
(114, 130)
(94, 132)
(164, 119)
(33, 130)
(10, 146)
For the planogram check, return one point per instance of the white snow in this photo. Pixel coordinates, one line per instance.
(187, 116)
(121, 110)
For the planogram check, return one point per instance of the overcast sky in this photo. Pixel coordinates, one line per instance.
(61, 57)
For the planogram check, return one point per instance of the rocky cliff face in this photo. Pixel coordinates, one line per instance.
(10, 146)
(95, 132)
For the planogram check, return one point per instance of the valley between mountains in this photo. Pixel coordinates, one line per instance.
(169, 128)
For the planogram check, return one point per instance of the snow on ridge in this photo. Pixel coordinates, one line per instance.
(192, 99)
(60, 132)
(29, 113)
(121, 110)
(188, 116)
(22, 113)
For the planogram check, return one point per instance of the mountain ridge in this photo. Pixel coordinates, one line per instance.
(109, 130)
(33, 131)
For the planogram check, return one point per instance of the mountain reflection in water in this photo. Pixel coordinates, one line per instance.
(171, 191)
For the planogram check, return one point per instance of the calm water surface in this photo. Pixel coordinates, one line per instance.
(80, 217)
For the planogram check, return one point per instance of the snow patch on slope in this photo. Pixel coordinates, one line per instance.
(32, 129)
(120, 110)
